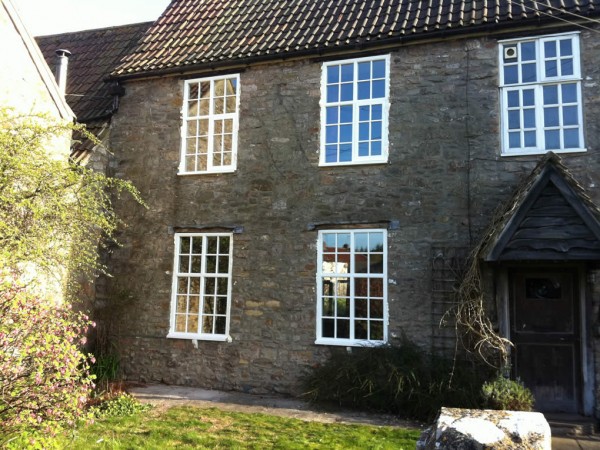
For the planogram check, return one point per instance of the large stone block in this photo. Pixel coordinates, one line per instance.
(474, 429)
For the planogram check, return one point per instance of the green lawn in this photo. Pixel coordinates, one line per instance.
(189, 427)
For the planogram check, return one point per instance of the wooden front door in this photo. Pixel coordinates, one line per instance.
(545, 328)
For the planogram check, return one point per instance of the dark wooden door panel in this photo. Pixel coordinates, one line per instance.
(545, 331)
(548, 370)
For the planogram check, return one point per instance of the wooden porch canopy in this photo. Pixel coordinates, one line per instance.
(550, 218)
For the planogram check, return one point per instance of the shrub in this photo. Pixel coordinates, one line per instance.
(503, 393)
(402, 380)
(44, 376)
(119, 405)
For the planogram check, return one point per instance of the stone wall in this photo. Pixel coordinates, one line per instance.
(443, 121)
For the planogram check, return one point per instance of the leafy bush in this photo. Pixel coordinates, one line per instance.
(44, 376)
(503, 393)
(120, 405)
(402, 380)
(34, 440)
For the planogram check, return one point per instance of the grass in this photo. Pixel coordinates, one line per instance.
(190, 427)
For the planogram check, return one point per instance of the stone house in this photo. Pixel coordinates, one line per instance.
(315, 172)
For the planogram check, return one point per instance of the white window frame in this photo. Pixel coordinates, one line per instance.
(537, 86)
(202, 275)
(211, 117)
(351, 275)
(356, 104)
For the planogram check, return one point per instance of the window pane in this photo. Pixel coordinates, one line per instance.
(346, 133)
(222, 286)
(193, 91)
(569, 93)
(550, 49)
(514, 140)
(347, 72)
(361, 308)
(345, 152)
(331, 115)
(364, 70)
(376, 288)
(223, 264)
(196, 264)
(196, 245)
(231, 86)
(550, 95)
(530, 139)
(376, 112)
(181, 303)
(343, 240)
(204, 107)
(361, 263)
(376, 331)
(376, 130)
(514, 120)
(361, 287)
(346, 93)
(528, 51)
(570, 115)
(566, 67)
(361, 329)
(551, 117)
(376, 309)
(511, 74)
(364, 90)
(343, 329)
(363, 131)
(194, 304)
(328, 328)
(230, 103)
(180, 323)
(219, 106)
(331, 134)
(343, 307)
(333, 93)
(528, 97)
(333, 74)
(210, 286)
(566, 47)
(376, 148)
(572, 138)
(195, 286)
(552, 139)
(551, 68)
(376, 263)
(184, 264)
(327, 301)
(378, 89)
(513, 99)
(219, 88)
(363, 149)
(529, 118)
(529, 73)
(375, 242)
(220, 325)
(193, 108)
(331, 153)
(207, 324)
(346, 114)
(378, 69)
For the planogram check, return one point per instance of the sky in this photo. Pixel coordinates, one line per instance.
(44, 17)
